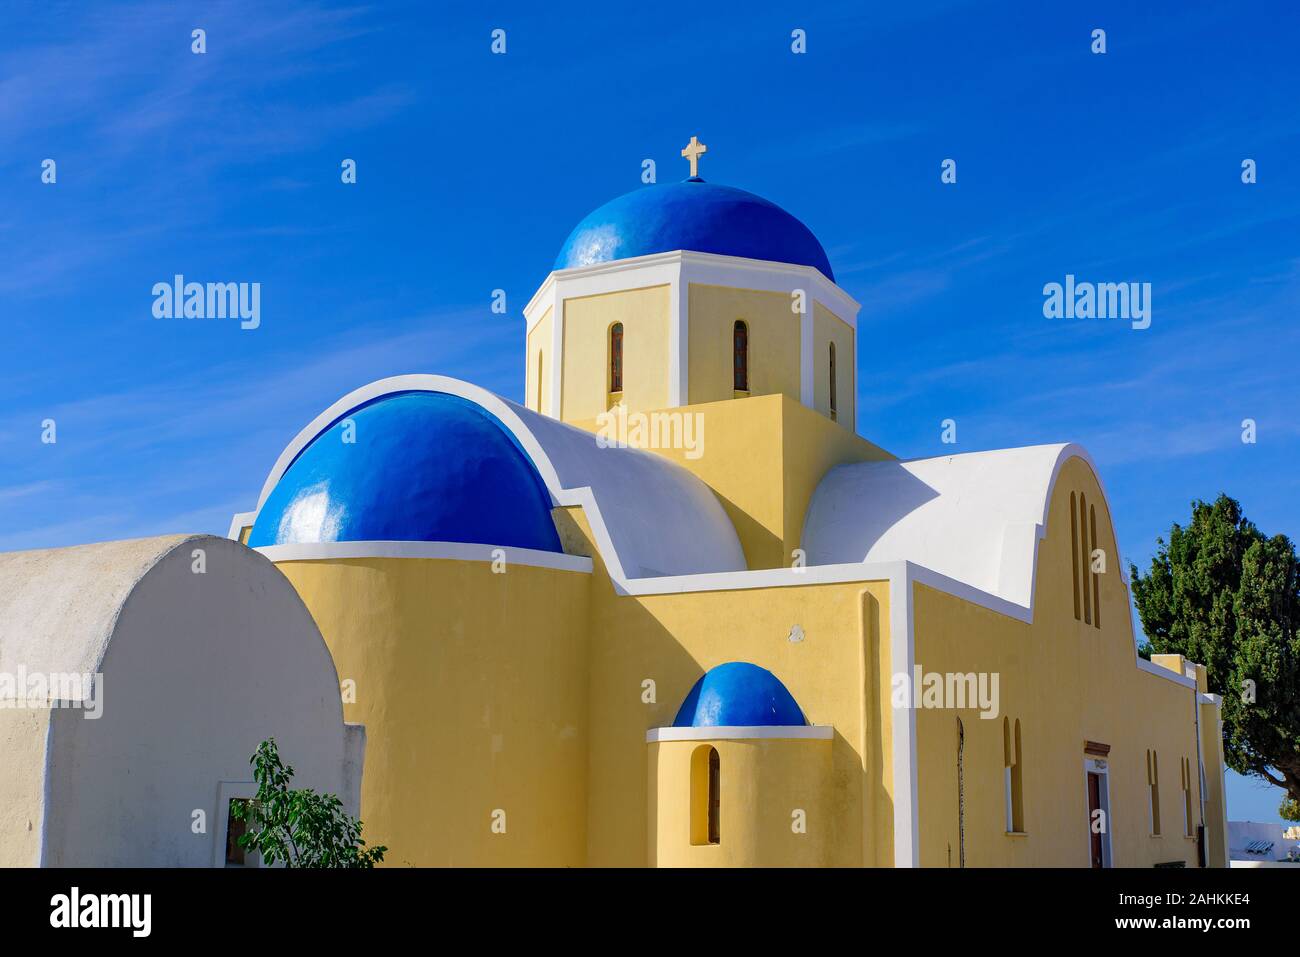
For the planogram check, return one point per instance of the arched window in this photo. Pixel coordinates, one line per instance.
(715, 796)
(1013, 776)
(616, 357)
(1096, 581)
(1153, 791)
(1085, 558)
(706, 791)
(1074, 551)
(832, 381)
(740, 355)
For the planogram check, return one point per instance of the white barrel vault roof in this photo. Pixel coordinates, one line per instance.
(975, 517)
(59, 606)
(650, 517)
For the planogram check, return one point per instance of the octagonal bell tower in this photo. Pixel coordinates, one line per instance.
(688, 293)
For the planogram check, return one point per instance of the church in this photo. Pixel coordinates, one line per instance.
(673, 610)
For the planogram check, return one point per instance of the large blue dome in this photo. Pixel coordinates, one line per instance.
(424, 467)
(738, 694)
(693, 215)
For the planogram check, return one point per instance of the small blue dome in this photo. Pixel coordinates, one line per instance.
(424, 467)
(738, 694)
(697, 216)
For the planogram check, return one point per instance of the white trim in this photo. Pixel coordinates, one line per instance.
(557, 356)
(708, 268)
(819, 732)
(239, 522)
(455, 551)
(807, 360)
(679, 343)
(1154, 669)
(902, 657)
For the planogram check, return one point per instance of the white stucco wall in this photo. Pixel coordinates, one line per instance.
(1242, 833)
(197, 670)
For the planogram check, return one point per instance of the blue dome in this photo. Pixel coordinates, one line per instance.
(424, 467)
(694, 215)
(738, 694)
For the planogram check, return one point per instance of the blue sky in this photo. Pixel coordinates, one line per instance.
(472, 168)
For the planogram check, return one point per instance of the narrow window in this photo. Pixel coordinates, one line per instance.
(1096, 587)
(1013, 777)
(1187, 796)
(1018, 784)
(1153, 789)
(715, 796)
(1074, 551)
(832, 381)
(705, 795)
(961, 794)
(1083, 544)
(1007, 762)
(616, 357)
(740, 355)
(235, 829)
(539, 382)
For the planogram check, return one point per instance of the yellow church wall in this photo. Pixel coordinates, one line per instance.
(536, 395)
(671, 640)
(773, 342)
(764, 456)
(829, 328)
(587, 321)
(1067, 683)
(773, 803)
(472, 687)
(23, 735)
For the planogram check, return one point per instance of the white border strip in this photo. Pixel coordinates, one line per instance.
(819, 732)
(455, 551)
(239, 522)
(708, 268)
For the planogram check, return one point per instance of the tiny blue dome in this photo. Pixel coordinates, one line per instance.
(697, 216)
(738, 694)
(423, 467)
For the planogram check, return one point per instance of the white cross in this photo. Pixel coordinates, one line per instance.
(693, 151)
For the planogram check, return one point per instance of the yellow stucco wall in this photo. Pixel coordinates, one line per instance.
(828, 328)
(764, 456)
(587, 321)
(472, 687)
(1068, 683)
(774, 808)
(23, 735)
(773, 342)
(539, 360)
(834, 672)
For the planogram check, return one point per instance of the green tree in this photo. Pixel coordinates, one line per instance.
(1222, 594)
(1289, 810)
(299, 828)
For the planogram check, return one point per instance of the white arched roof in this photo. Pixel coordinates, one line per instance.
(59, 606)
(975, 517)
(650, 517)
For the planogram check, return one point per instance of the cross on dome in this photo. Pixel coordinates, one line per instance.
(693, 151)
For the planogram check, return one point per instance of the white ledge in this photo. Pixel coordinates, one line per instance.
(456, 551)
(820, 732)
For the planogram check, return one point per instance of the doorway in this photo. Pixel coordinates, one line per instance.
(1099, 824)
